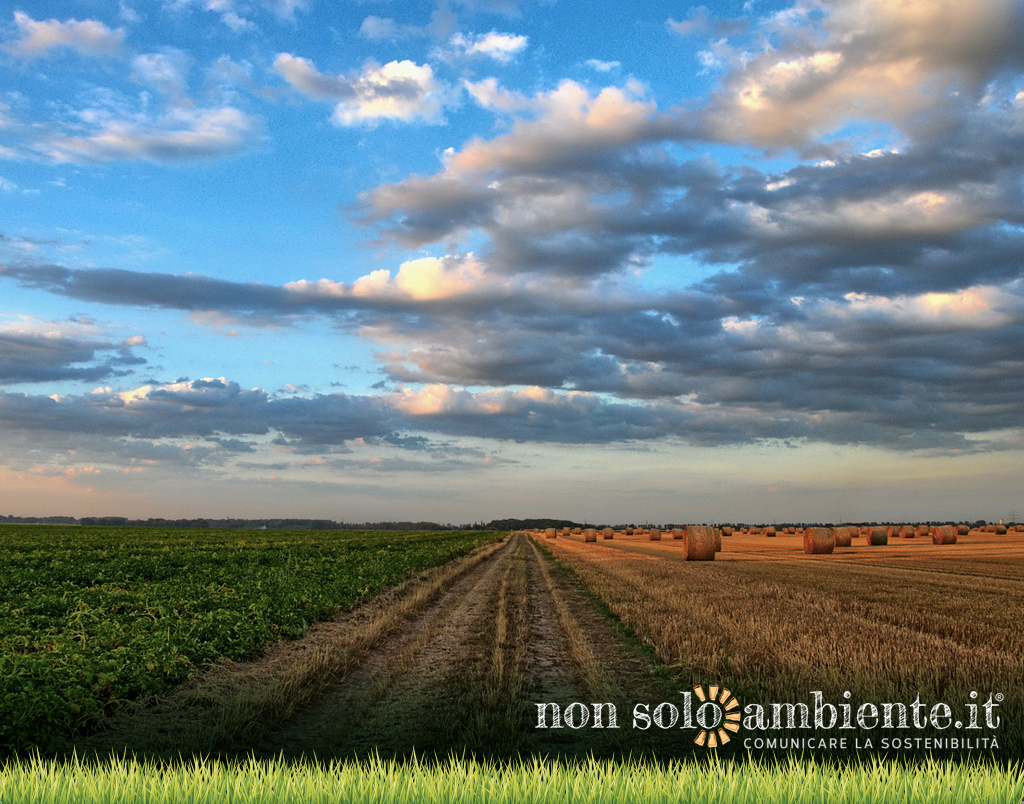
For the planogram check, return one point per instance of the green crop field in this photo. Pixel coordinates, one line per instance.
(91, 617)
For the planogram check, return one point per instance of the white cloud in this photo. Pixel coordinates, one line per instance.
(399, 90)
(442, 399)
(975, 308)
(490, 95)
(422, 279)
(502, 47)
(236, 22)
(286, 8)
(180, 134)
(570, 118)
(380, 29)
(602, 66)
(225, 77)
(865, 60)
(39, 37)
(233, 14)
(127, 13)
(377, 29)
(167, 71)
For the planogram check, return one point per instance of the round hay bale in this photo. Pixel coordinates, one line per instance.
(769, 531)
(755, 531)
(818, 541)
(1018, 528)
(654, 535)
(990, 529)
(1000, 530)
(962, 530)
(892, 531)
(629, 531)
(943, 534)
(718, 539)
(590, 534)
(550, 533)
(699, 543)
(727, 531)
(907, 531)
(923, 530)
(609, 533)
(841, 536)
(878, 536)
(677, 533)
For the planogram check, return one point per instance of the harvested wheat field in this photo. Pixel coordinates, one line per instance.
(771, 621)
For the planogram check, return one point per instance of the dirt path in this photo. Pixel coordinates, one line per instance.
(466, 673)
(460, 668)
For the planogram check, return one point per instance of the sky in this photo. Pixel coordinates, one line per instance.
(460, 260)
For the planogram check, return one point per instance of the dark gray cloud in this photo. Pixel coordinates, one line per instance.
(173, 291)
(29, 357)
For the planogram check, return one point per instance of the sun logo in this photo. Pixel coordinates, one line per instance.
(718, 714)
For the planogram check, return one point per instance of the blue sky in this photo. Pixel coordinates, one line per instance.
(487, 258)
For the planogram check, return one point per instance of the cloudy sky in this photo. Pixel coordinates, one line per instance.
(467, 259)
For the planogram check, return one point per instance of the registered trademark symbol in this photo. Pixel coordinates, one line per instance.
(999, 697)
(958, 724)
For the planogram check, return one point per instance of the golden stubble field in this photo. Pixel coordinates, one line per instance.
(884, 622)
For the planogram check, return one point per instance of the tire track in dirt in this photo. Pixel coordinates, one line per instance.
(409, 685)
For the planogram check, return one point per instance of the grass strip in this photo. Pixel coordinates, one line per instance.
(461, 781)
